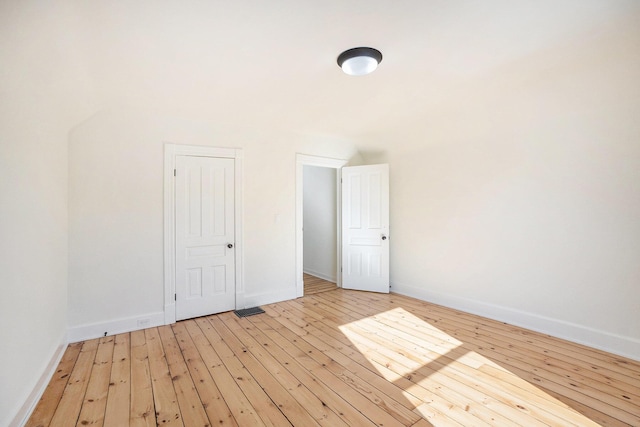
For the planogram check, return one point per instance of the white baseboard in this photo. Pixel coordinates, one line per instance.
(29, 405)
(617, 344)
(268, 297)
(117, 326)
(329, 277)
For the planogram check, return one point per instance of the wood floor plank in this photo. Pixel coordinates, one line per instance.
(413, 394)
(280, 367)
(191, 408)
(447, 362)
(68, 409)
(422, 423)
(538, 375)
(564, 385)
(334, 398)
(466, 416)
(340, 358)
(528, 397)
(573, 412)
(380, 392)
(118, 399)
(281, 396)
(209, 395)
(50, 399)
(507, 397)
(287, 353)
(448, 401)
(142, 407)
(165, 400)
(507, 380)
(234, 397)
(95, 401)
(263, 404)
(357, 393)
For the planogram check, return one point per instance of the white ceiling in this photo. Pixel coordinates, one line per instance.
(273, 63)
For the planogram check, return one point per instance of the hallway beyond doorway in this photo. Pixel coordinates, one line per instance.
(315, 285)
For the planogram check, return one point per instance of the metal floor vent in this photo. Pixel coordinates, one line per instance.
(248, 311)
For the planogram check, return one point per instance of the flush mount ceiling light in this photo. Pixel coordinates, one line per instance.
(359, 60)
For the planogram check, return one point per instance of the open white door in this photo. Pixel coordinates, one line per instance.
(205, 233)
(365, 228)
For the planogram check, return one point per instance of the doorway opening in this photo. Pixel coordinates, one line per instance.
(327, 167)
(320, 229)
(315, 285)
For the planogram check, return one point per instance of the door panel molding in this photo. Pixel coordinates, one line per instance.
(171, 151)
(365, 228)
(205, 233)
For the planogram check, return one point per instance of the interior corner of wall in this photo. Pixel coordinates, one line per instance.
(23, 414)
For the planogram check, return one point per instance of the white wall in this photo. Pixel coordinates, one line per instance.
(39, 99)
(520, 199)
(116, 211)
(319, 223)
(33, 255)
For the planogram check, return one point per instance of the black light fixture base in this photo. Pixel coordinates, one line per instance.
(359, 51)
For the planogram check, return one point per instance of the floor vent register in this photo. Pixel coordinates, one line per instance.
(248, 311)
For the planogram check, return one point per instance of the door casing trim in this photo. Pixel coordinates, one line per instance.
(170, 153)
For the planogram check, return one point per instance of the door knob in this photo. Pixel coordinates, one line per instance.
(384, 237)
(230, 245)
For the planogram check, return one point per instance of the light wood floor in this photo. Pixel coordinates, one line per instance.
(315, 285)
(340, 358)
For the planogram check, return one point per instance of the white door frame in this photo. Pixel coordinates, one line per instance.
(303, 160)
(170, 153)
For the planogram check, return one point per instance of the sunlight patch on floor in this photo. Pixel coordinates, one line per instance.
(401, 345)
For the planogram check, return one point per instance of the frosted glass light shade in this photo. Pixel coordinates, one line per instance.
(359, 66)
(359, 60)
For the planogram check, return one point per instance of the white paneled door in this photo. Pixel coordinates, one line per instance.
(205, 246)
(365, 228)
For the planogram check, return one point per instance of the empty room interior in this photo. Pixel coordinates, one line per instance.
(435, 204)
